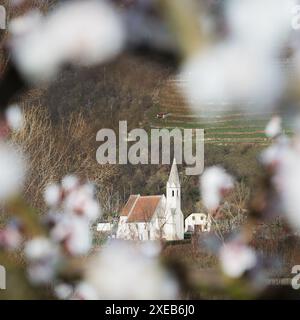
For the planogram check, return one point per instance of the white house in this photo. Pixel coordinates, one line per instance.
(154, 217)
(105, 227)
(198, 220)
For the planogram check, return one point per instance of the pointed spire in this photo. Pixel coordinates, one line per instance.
(174, 177)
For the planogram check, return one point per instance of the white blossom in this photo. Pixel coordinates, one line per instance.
(274, 127)
(52, 195)
(12, 171)
(22, 25)
(287, 182)
(263, 24)
(237, 258)
(151, 249)
(84, 291)
(39, 248)
(215, 182)
(14, 117)
(122, 271)
(231, 75)
(42, 258)
(274, 154)
(78, 32)
(40, 273)
(69, 183)
(73, 209)
(11, 237)
(74, 233)
(63, 291)
(79, 202)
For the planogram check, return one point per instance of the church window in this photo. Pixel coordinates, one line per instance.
(173, 193)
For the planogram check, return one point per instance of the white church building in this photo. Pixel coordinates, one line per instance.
(154, 217)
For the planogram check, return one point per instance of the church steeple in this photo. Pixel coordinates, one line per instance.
(174, 177)
(173, 188)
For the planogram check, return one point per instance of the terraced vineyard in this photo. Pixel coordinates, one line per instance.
(228, 128)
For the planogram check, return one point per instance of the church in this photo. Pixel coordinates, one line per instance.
(154, 217)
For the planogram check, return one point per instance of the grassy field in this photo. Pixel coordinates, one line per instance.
(229, 128)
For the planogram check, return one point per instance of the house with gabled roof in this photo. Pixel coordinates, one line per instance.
(154, 217)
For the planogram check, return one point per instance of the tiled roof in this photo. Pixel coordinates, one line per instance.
(129, 205)
(143, 208)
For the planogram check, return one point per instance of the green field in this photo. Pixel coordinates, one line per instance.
(229, 128)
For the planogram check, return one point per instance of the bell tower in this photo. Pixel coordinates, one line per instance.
(174, 188)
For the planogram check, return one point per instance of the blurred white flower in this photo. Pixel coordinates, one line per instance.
(40, 273)
(22, 25)
(151, 249)
(231, 75)
(84, 291)
(89, 189)
(236, 258)
(74, 197)
(273, 155)
(215, 182)
(74, 233)
(274, 127)
(52, 195)
(287, 182)
(39, 248)
(12, 171)
(263, 24)
(42, 257)
(122, 271)
(69, 183)
(63, 291)
(73, 209)
(81, 203)
(14, 117)
(11, 236)
(79, 32)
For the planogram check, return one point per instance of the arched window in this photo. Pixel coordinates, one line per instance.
(173, 193)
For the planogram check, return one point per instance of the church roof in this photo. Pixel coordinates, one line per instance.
(174, 177)
(141, 208)
(129, 205)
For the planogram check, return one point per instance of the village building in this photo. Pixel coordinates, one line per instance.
(197, 222)
(105, 227)
(154, 217)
